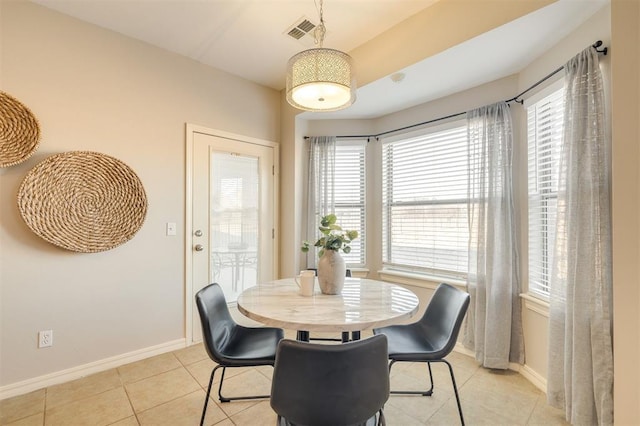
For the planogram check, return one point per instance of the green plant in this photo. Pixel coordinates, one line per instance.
(333, 236)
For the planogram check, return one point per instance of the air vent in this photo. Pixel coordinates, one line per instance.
(306, 25)
(301, 28)
(296, 33)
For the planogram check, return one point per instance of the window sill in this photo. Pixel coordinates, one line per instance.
(418, 280)
(535, 304)
(359, 272)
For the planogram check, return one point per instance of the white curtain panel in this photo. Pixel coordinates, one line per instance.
(320, 192)
(494, 321)
(580, 371)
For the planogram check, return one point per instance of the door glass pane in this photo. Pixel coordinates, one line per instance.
(234, 222)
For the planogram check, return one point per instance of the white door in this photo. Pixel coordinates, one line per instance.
(233, 200)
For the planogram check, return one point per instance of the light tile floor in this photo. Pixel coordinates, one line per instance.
(169, 389)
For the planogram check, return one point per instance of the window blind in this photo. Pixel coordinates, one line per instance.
(424, 184)
(349, 189)
(545, 126)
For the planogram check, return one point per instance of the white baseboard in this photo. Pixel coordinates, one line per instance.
(534, 377)
(459, 347)
(527, 372)
(79, 371)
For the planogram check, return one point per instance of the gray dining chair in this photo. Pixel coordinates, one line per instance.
(432, 338)
(327, 384)
(230, 344)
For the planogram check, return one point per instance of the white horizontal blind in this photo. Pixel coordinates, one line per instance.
(424, 184)
(545, 125)
(349, 187)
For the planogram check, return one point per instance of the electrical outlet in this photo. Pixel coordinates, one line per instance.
(45, 338)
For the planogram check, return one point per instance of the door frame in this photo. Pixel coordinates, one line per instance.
(190, 130)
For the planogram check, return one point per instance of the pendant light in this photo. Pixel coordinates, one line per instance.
(320, 79)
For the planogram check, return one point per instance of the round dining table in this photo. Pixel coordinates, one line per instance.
(363, 304)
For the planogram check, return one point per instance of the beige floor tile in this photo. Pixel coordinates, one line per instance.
(201, 371)
(397, 416)
(191, 354)
(82, 388)
(250, 382)
(266, 371)
(225, 422)
(544, 414)
(418, 407)
(102, 409)
(474, 414)
(185, 411)
(513, 400)
(22, 406)
(459, 360)
(259, 414)
(164, 387)
(234, 407)
(33, 420)
(418, 380)
(148, 367)
(129, 421)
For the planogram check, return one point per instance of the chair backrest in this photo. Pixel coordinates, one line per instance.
(443, 317)
(324, 384)
(217, 323)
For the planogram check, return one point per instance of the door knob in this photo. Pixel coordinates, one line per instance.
(198, 233)
(199, 247)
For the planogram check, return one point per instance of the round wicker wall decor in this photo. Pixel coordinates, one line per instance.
(83, 201)
(19, 131)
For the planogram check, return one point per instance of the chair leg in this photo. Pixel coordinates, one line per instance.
(235, 398)
(428, 392)
(206, 398)
(455, 390)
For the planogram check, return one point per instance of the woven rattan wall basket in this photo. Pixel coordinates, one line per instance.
(19, 131)
(83, 201)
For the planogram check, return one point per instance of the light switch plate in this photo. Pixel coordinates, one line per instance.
(171, 228)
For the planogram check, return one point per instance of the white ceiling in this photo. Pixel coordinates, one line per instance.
(248, 38)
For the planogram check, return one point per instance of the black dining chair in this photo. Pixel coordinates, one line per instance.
(328, 384)
(230, 344)
(432, 338)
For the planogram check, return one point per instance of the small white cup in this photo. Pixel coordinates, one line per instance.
(306, 282)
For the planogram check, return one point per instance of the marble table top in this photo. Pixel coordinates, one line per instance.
(363, 304)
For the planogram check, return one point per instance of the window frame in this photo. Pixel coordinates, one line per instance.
(361, 204)
(547, 198)
(386, 240)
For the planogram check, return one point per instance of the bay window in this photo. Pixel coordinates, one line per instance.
(424, 197)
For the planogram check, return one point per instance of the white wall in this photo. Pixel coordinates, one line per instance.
(93, 89)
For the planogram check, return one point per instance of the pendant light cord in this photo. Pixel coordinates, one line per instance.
(321, 30)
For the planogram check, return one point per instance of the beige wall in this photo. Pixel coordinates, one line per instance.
(435, 29)
(93, 89)
(625, 98)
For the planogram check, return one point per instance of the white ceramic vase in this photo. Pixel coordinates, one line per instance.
(331, 272)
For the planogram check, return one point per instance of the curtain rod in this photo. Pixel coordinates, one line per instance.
(516, 99)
